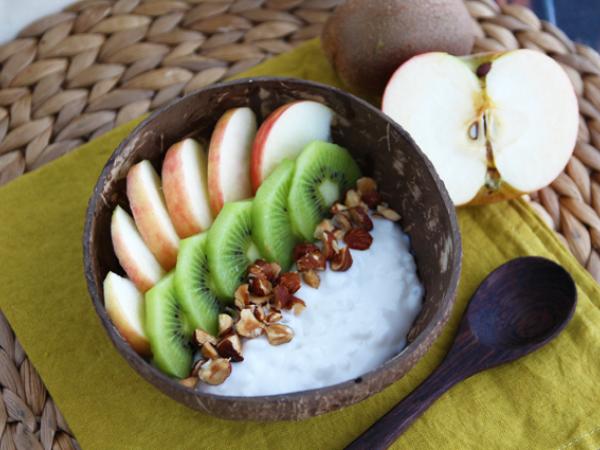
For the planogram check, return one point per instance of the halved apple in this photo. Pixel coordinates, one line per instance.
(185, 187)
(134, 256)
(229, 158)
(150, 213)
(284, 134)
(494, 126)
(125, 307)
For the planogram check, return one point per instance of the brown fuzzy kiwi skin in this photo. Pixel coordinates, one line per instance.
(366, 40)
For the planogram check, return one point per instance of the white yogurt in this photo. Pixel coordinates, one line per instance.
(353, 323)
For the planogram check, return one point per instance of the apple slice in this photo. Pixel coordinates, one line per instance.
(229, 158)
(285, 133)
(134, 256)
(185, 187)
(125, 307)
(494, 126)
(150, 213)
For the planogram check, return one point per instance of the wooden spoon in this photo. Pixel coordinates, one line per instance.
(518, 308)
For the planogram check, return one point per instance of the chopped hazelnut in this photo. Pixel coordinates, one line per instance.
(201, 337)
(371, 199)
(388, 213)
(196, 367)
(352, 198)
(189, 382)
(248, 326)
(273, 316)
(281, 297)
(303, 249)
(358, 239)
(259, 313)
(242, 296)
(342, 221)
(330, 245)
(215, 371)
(311, 278)
(225, 323)
(298, 305)
(231, 347)
(209, 351)
(361, 218)
(260, 285)
(270, 270)
(365, 185)
(278, 334)
(256, 300)
(291, 281)
(311, 261)
(342, 261)
(337, 208)
(325, 225)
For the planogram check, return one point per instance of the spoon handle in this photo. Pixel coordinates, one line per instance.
(387, 429)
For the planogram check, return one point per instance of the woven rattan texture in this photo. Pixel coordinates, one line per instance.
(72, 76)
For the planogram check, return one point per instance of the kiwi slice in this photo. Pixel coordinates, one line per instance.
(193, 284)
(168, 330)
(230, 247)
(271, 227)
(323, 173)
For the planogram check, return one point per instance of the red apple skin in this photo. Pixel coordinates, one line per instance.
(178, 202)
(259, 145)
(215, 195)
(158, 234)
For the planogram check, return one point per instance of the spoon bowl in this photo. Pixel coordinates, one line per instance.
(519, 307)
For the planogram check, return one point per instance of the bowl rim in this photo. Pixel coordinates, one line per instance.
(431, 331)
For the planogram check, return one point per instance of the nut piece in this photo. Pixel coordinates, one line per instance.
(248, 326)
(273, 316)
(201, 337)
(291, 281)
(358, 239)
(190, 382)
(342, 261)
(259, 313)
(196, 368)
(225, 324)
(339, 234)
(388, 213)
(371, 199)
(242, 296)
(298, 305)
(365, 185)
(342, 221)
(260, 285)
(278, 334)
(270, 270)
(303, 249)
(215, 371)
(330, 245)
(231, 347)
(255, 300)
(325, 225)
(352, 198)
(337, 208)
(311, 278)
(281, 297)
(209, 351)
(311, 261)
(361, 218)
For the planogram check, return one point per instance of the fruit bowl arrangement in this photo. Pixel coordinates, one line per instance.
(382, 150)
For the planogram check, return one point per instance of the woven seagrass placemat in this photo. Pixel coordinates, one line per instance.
(74, 75)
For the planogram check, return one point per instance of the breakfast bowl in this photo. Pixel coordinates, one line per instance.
(383, 150)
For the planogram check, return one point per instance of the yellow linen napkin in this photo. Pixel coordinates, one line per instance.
(550, 399)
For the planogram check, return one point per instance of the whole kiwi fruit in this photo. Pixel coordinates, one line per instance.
(366, 41)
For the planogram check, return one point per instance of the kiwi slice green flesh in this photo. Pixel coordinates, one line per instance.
(271, 227)
(230, 247)
(168, 330)
(323, 173)
(193, 285)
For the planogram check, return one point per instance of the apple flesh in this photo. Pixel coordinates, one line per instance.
(134, 256)
(150, 213)
(284, 134)
(185, 187)
(494, 126)
(229, 158)
(125, 307)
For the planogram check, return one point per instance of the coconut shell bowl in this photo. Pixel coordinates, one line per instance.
(406, 181)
